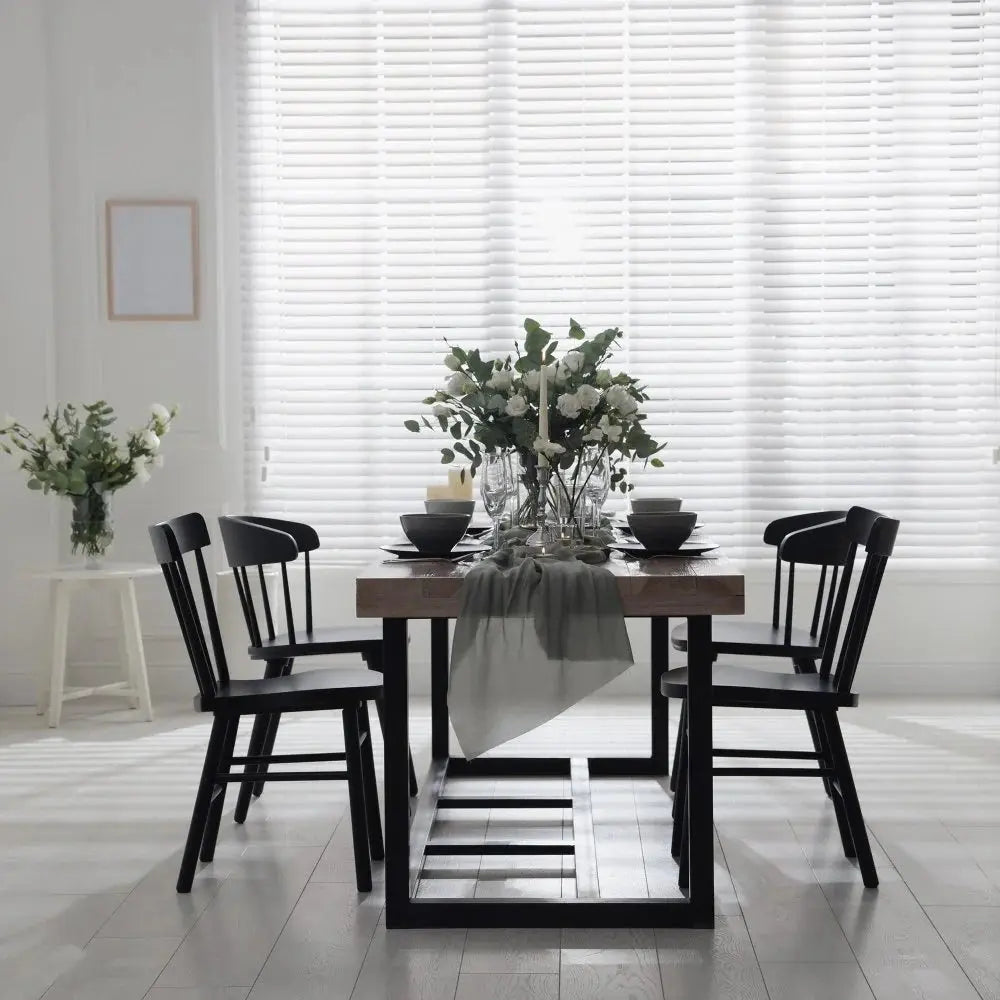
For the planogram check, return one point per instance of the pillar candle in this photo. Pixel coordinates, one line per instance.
(543, 410)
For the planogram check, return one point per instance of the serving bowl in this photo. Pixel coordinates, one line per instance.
(655, 505)
(662, 532)
(434, 534)
(449, 506)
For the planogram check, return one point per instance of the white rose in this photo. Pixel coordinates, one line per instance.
(150, 441)
(621, 400)
(122, 453)
(440, 410)
(588, 397)
(568, 405)
(547, 448)
(594, 434)
(497, 402)
(516, 406)
(57, 456)
(532, 380)
(560, 376)
(501, 381)
(609, 430)
(450, 361)
(6, 422)
(140, 470)
(160, 412)
(458, 384)
(603, 377)
(573, 361)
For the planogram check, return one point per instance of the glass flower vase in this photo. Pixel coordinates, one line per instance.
(91, 532)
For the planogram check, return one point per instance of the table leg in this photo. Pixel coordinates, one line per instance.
(397, 793)
(439, 688)
(701, 835)
(60, 630)
(659, 707)
(133, 643)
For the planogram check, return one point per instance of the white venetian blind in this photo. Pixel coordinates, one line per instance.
(792, 209)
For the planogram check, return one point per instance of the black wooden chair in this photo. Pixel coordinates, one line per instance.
(749, 638)
(229, 700)
(279, 651)
(819, 694)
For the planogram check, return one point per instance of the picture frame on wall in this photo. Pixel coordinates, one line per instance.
(152, 259)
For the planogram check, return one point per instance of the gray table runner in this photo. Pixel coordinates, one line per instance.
(534, 637)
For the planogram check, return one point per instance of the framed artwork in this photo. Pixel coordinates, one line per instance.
(152, 259)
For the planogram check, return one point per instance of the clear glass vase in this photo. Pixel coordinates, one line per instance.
(91, 531)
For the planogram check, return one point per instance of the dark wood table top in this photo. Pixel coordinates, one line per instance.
(665, 587)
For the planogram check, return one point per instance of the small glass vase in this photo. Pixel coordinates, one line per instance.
(91, 532)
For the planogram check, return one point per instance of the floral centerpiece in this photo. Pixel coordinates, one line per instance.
(490, 405)
(77, 456)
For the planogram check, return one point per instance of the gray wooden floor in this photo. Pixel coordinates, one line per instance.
(92, 817)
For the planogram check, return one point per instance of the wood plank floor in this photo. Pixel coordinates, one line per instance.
(92, 817)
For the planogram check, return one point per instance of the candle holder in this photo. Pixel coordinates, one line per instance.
(546, 535)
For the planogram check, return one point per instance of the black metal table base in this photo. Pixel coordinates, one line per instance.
(408, 842)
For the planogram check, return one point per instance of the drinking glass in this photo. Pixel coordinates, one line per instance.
(495, 488)
(597, 480)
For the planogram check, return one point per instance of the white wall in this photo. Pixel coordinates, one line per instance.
(118, 98)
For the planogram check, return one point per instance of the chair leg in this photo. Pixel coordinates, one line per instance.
(373, 816)
(258, 739)
(356, 792)
(683, 869)
(852, 806)
(414, 789)
(680, 799)
(202, 803)
(270, 735)
(837, 796)
(681, 726)
(805, 666)
(219, 792)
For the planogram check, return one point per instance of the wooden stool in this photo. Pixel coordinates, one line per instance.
(135, 686)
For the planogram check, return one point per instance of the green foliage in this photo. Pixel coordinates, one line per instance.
(77, 455)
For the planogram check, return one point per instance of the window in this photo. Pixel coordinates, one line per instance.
(793, 210)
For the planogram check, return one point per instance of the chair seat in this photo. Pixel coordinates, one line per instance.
(736, 687)
(753, 639)
(306, 690)
(335, 639)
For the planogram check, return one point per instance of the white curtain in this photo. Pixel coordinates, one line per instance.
(791, 208)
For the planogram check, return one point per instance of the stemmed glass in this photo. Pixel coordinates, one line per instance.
(597, 482)
(495, 488)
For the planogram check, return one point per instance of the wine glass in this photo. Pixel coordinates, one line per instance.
(495, 487)
(597, 482)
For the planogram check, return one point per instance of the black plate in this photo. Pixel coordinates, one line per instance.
(688, 548)
(407, 550)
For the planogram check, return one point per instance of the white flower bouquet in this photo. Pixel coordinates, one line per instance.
(77, 456)
(490, 405)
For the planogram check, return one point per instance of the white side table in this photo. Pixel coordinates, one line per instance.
(120, 578)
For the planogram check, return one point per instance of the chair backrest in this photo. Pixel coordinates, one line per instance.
(306, 540)
(820, 553)
(256, 542)
(878, 548)
(172, 541)
(836, 544)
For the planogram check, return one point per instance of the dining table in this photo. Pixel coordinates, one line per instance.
(658, 589)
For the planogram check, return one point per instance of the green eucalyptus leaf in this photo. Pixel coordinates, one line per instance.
(412, 425)
(462, 450)
(656, 463)
(576, 331)
(456, 430)
(34, 484)
(447, 456)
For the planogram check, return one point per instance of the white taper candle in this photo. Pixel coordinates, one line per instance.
(543, 410)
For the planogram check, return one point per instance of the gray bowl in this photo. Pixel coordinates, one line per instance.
(434, 534)
(656, 505)
(662, 532)
(450, 506)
